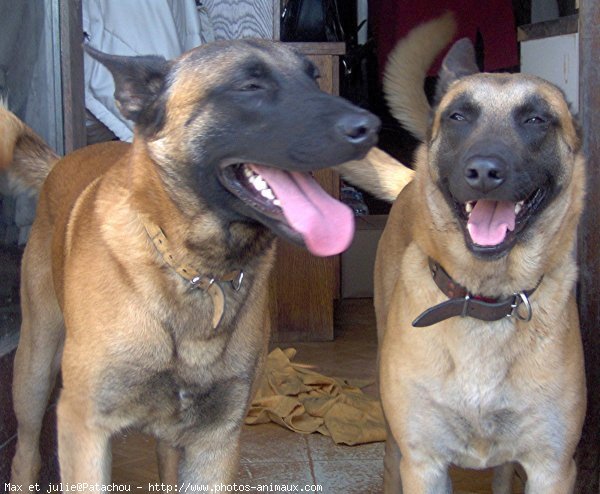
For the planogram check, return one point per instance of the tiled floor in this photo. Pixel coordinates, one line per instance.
(273, 455)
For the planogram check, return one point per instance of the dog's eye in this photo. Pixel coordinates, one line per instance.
(535, 120)
(457, 117)
(251, 86)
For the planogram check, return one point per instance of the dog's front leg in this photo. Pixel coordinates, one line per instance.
(550, 478)
(83, 447)
(210, 459)
(403, 475)
(424, 477)
(391, 466)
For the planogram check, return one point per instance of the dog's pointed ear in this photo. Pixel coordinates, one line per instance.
(459, 62)
(139, 81)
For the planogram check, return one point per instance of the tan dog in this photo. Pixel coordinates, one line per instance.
(145, 276)
(480, 359)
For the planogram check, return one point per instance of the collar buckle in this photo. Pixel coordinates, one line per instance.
(520, 299)
(236, 283)
(201, 282)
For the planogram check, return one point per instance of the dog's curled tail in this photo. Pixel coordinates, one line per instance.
(24, 156)
(407, 67)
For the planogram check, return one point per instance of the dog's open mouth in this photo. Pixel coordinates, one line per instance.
(492, 227)
(296, 203)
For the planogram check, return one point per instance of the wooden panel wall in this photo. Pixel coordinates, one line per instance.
(588, 454)
(234, 19)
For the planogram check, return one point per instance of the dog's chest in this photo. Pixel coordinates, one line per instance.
(189, 375)
(172, 397)
(481, 397)
(478, 406)
(481, 430)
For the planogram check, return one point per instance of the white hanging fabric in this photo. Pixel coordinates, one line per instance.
(131, 27)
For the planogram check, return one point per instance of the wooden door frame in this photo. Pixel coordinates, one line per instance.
(588, 453)
(71, 62)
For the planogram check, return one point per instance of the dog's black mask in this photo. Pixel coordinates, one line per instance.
(497, 155)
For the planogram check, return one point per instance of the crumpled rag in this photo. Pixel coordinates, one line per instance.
(305, 401)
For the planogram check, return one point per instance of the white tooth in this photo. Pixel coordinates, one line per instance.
(268, 194)
(277, 202)
(259, 183)
(469, 207)
(518, 207)
(248, 172)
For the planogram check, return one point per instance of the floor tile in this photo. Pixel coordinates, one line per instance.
(276, 474)
(272, 443)
(349, 476)
(322, 448)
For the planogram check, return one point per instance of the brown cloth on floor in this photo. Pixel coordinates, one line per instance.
(305, 401)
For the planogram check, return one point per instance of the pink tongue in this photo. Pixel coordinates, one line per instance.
(326, 225)
(490, 220)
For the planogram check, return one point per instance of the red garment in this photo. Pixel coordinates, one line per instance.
(391, 20)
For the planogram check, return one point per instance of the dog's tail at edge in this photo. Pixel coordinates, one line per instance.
(24, 156)
(407, 67)
(377, 173)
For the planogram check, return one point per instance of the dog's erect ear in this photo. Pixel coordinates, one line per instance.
(458, 62)
(138, 83)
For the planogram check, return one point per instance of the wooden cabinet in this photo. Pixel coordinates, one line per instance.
(326, 56)
(304, 286)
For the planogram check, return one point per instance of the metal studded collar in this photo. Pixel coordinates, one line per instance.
(208, 283)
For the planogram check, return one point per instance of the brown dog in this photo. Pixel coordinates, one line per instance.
(145, 276)
(480, 359)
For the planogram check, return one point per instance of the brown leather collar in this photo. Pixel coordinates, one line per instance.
(464, 304)
(207, 283)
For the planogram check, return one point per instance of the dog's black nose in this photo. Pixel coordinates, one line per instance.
(485, 173)
(358, 128)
